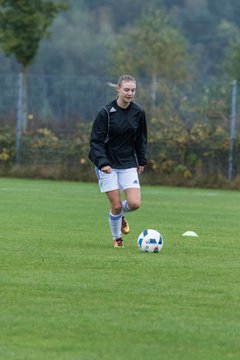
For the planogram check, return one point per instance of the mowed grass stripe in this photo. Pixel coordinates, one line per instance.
(66, 293)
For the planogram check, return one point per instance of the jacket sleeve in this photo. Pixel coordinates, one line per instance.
(97, 140)
(141, 141)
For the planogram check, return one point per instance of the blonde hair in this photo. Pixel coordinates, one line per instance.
(122, 79)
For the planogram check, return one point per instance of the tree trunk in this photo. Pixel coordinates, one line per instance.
(153, 93)
(21, 124)
(24, 98)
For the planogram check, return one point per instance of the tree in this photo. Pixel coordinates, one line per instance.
(77, 40)
(23, 24)
(233, 61)
(210, 27)
(153, 48)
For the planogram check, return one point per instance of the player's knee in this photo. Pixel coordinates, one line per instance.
(134, 205)
(116, 208)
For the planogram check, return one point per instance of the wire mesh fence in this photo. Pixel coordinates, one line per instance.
(192, 127)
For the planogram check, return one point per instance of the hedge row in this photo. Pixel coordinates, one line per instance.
(178, 154)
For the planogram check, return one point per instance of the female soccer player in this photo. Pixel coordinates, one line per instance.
(118, 144)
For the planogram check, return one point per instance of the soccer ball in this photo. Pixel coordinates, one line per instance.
(150, 241)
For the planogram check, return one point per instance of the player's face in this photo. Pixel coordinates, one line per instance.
(126, 92)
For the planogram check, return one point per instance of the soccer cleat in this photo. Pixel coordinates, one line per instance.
(125, 227)
(118, 243)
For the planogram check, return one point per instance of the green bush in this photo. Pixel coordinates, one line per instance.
(178, 155)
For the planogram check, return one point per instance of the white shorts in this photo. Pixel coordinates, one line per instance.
(118, 179)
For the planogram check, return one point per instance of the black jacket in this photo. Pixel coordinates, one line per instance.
(119, 137)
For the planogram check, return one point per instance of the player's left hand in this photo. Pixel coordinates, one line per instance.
(140, 169)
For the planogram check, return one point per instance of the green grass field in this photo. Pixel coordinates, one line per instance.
(67, 294)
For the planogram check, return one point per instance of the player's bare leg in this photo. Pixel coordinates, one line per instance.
(133, 198)
(115, 217)
(132, 202)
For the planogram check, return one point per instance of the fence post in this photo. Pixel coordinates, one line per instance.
(232, 129)
(19, 119)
